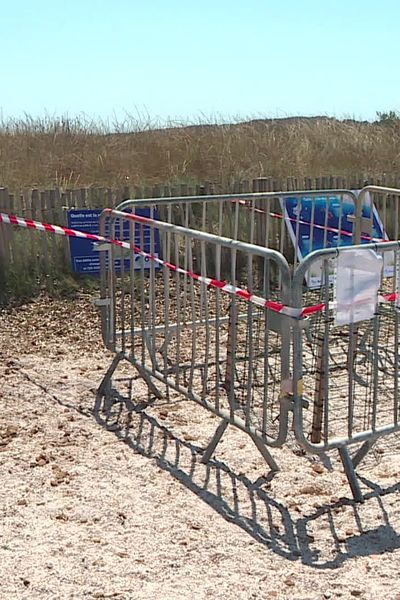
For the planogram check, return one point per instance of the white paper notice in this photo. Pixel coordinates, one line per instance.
(358, 276)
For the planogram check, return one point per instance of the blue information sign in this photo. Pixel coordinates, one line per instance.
(332, 225)
(86, 260)
(332, 217)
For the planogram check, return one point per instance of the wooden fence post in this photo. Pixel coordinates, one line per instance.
(5, 229)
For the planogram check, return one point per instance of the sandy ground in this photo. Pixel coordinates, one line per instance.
(118, 504)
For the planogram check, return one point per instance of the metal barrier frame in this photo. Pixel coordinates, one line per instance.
(106, 304)
(368, 437)
(290, 321)
(292, 296)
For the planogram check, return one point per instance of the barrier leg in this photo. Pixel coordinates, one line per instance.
(105, 385)
(219, 432)
(261, 447)
(229, 382)
(320, 383)
(351, 474)
(267, 456)
(152, 387)
(104, 388)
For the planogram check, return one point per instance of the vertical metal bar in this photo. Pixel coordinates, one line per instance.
(267, 221)
(396, 342)
(165, 235)
(169, 217)
(353, 337)
(384, 213)
(371, 213)
(179, 315)
(266, 294)
(230, 346)
(104, 285)
(326, 221)
(389, 236)
(153, 290)
(326, 352)
(142, 294)
(252, 212)
(297, 336)
(296, 253)
(282, 243)
(132, 288)
(231, 343)
(232, 326)
(192, 218)
(218, 252)
(357, 219)
(122, 280)
(340, 220)
(287, 297)
(266, 285)
(320, 376)
(266, 272)
(193, 319)
(221, 206)
(236, 222)
(206, 321)
(312, 223)
(112, 281)
(250, 326)
(185, 259)
(375, 370)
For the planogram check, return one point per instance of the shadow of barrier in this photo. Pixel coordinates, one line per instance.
(316, 539)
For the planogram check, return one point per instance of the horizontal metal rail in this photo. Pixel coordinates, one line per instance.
(131, 202)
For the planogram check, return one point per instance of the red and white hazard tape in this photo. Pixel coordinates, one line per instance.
(297, 313)
(341, 232)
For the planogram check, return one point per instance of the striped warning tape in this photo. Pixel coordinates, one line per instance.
(278, 307)
(211, 282)
(296, 313)
(341, 232)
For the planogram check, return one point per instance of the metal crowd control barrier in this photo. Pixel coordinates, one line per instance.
(220, 319)
(181, 325)
(226, 321)
(347, 376)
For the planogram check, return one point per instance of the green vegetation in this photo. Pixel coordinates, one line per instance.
(16, 287)
(388, 117)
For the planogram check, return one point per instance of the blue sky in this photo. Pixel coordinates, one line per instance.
(200, 60)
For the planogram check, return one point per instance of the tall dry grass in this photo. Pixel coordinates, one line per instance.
(81, 152)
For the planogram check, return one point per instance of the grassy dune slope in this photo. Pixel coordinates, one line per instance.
(80, 152)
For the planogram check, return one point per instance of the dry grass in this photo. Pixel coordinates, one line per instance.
(81, 152)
